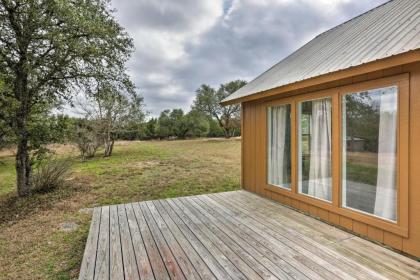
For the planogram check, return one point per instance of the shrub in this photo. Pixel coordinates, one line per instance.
(50, 174)
(87, 138)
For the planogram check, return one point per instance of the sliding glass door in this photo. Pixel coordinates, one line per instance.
(369, 141)
(314, 148)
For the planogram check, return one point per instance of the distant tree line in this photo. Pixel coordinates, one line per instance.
(109, 115)
(180, 125)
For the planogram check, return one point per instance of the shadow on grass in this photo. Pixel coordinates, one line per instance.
(14, 208)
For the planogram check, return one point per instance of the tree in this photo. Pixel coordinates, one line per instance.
(197, 123)
(133, 127)
(179, 123)
(151, 129)
(87, 138)
(115, 107)
(47, 50)
(208, 101)
(214, 129)
(6, 135)
(164, 127)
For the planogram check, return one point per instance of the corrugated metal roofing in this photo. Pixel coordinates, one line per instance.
(387, 30)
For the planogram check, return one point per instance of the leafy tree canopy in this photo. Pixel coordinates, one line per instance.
(49, 50)
(208, 101)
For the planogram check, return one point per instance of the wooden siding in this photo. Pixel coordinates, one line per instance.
(254, 161)
(231, 235)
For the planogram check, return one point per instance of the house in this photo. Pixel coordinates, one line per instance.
(333, 129)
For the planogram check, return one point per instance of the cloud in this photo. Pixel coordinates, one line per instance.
(185, 43)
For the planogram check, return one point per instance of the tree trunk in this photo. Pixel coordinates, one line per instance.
(109, 145)
(23, 159)
(228, 128)
(224, 127)
(23, 168)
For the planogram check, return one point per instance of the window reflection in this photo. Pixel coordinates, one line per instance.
(369, 151)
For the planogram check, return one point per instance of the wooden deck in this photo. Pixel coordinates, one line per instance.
(232, 235)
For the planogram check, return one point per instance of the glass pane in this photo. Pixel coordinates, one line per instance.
(369, 151)
(279, 133)
(314, 121)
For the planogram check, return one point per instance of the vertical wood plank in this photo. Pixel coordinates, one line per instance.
(375, 234)
(403, 155)
(412, 245)
(246, 147)
(334, 218)
(313, 210)
(254, 148)
(220, 252)
(323, 214)
(304, 207)
(102, 253)
(168, 257)
(143, 262)
(258, 150)
(295, 203)
(180, 253)
(177, 225)
(287, 201)
(346, 223)
(115, 257)
(130, 264)
(87, 269)
(262, 146)
(360, 228)
(159, 269)
(393, 240)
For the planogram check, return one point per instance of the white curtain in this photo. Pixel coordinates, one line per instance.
(385, 201)
(320, 158)
(277, 135)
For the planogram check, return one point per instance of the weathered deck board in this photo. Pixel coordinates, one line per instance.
(102, 251)
(209, 259)
(143, 263)
(87, 271)
(336, 263)
(365, 260)
(232, 235)
(156, 261)
(116, 270)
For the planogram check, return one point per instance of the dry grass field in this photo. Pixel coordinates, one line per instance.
(34, 242)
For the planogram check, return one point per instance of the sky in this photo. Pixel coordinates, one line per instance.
(182, 44)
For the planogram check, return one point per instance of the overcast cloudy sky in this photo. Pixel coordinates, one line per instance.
(181, 44)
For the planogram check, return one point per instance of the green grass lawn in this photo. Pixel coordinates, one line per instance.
(31, 243)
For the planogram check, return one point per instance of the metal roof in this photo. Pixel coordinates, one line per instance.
(390, 29)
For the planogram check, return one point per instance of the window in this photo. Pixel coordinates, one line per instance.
(344, 150)
(314, 144)
(369, 125)
(279, 140)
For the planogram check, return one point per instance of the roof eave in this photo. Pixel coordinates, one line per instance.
(388, 62)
